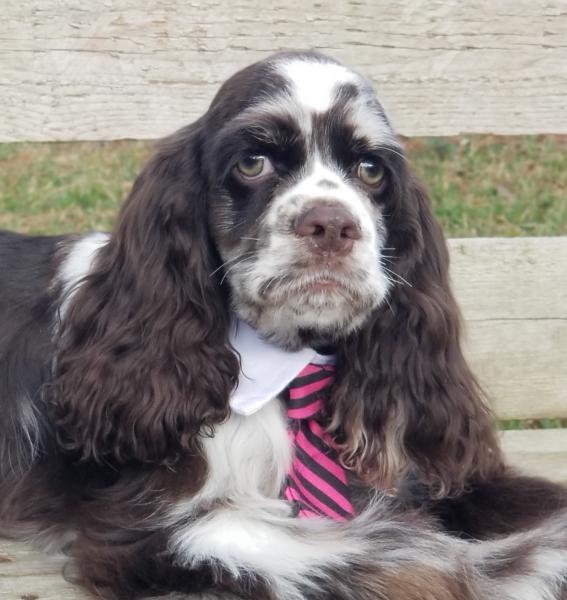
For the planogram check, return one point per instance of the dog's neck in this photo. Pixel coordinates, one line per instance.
(265, 368)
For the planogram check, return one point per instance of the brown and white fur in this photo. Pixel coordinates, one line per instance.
(117, 442)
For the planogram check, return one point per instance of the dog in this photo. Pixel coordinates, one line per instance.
(145, 374)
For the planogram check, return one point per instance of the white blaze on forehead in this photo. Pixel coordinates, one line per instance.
(371, 123)
(317, 181)
(315, 83)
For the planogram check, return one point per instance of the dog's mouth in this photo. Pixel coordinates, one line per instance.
(322, 284)
(307, 284)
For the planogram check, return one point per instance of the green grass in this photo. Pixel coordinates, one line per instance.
(490, 186)
(480, 185)
(66, 187)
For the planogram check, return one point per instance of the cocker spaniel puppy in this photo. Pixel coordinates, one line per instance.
(253, 387)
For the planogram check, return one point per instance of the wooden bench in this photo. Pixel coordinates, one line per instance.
(73, 70)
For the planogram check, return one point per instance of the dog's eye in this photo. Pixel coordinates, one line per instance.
(370, 172)
(254, 166)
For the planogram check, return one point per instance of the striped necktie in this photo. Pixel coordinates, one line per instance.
(316, 482)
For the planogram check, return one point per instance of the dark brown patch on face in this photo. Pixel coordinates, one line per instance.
(236, 204)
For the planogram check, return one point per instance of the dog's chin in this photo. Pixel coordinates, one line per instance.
(318, 316)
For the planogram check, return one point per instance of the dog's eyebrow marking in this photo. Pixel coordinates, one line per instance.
(262, 134)
(314, 83)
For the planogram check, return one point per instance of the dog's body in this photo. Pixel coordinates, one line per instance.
(290, 206)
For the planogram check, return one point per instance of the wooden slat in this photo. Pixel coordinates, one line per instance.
(522, 366)
(513, 293)
(510, 278)
(39, 587)
(85, 70)
(27, 574)
(541, 452)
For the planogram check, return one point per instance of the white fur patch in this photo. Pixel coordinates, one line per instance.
(248, 538)
(315, 83)
(248, 458)
(371, 124)
(78, 264)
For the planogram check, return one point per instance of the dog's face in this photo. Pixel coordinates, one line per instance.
(300, 165)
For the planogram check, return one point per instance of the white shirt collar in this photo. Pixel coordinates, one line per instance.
(266, 369)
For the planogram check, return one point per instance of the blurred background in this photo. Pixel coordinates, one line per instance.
(478, 89)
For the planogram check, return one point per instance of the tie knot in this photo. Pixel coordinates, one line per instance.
(309, 390)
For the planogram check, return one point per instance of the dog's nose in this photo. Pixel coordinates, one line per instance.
(329, 228)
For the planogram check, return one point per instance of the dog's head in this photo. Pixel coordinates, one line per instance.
(301, 162)
(291, 204)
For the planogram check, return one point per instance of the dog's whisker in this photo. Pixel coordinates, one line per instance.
(389, 259)
(244, 257)
(387, 301)
(231, 260)
(399, 278)
(272, 281)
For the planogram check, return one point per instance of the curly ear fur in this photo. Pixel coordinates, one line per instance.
(421, 406)
(144, 362)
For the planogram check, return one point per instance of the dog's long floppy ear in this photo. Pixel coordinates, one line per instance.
(405, 397)
(144, 363)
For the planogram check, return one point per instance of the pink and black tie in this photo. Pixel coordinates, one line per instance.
(316, 483)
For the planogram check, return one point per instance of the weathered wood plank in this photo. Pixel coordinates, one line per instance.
(541, 452)
(521, 365)
(27, 574)
(510, 278)
(40, 587)
(513, 293)
(79, 70)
